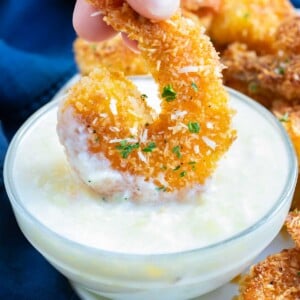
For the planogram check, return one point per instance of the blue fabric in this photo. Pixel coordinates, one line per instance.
(35, 60)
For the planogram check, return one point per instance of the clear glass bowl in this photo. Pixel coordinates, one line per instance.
(180, 275)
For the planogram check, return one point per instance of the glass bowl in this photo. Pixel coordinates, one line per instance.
(180, 275)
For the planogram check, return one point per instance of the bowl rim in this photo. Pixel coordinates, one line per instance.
(276, 207)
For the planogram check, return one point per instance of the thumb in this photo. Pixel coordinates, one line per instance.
(155, 9)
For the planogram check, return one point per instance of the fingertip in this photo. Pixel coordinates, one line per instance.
(88, 23)
(155, 9)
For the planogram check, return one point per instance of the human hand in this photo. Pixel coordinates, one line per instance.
(89, 24)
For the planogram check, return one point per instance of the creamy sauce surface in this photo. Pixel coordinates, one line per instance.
(246, 184)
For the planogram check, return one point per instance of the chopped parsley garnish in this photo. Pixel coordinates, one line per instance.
(284, 118)
(168, 93)
(193, 164)
(150, 147)
(176, 151)
(253, 87)
(298, 273)
(144, 96)
(125, 148)
(176, 168)
(183, 173)
(194, 127)
(194, 87)
(163, 167)
(161, 188)
(280, 70)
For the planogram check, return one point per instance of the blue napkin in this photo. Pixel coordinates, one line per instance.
(35, 61)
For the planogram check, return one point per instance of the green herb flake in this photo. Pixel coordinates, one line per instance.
(194, 127)
(284, 118)
(163, 167)
(252, 87)
(280, 70)
(176, 151)
(298, 273)
(182, 174)
(168, 93)
(150, 147)
(194, 87)
(193, 165)
(125, 148)
(161, 188)
(176, 168)
(144, 96)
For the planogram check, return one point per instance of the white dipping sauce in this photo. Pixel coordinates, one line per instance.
(246, 184)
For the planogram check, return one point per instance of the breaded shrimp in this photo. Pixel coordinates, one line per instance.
(264, 78)
(277, 277)
(289, 115)
(288, 36)
(251, 22)
(112, 54)
(174, 151)
(293, 226)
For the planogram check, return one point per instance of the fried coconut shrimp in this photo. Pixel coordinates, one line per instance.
(293, 226)
(113, 139)
(288, 36)
(264, 78)
(277, 277)
(112, 54)
(251, 22)
(289, 115)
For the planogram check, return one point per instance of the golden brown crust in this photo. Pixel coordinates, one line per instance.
(293, 226)
(264, 78)
(112, 54)
(277, 277)
(251, 22)
(289, 115)
(179, 56)
(288, 36)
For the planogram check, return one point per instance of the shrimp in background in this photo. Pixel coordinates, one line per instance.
(251, 22)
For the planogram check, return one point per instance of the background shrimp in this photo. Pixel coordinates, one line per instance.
(179, 148)
(251, 22)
